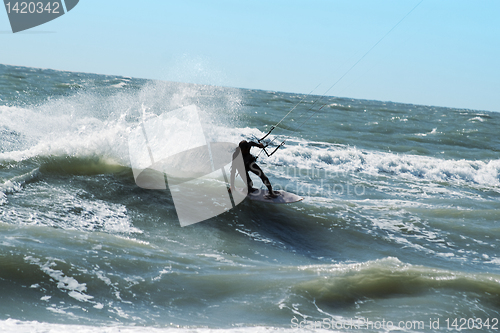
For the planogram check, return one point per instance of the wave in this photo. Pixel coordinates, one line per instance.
(345, 160)
(285, 291)
(97, 123)
(390, 277)
(88, 165)
(86, 134)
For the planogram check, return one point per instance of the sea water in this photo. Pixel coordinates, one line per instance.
(398, 230)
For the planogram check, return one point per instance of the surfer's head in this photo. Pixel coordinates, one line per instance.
(244, 147)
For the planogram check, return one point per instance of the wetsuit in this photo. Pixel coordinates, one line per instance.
(250, 165)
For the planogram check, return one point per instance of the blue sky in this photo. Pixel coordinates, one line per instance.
(445, 53)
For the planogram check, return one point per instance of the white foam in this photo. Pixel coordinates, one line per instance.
(348, 160)
(60, 134)
(75, 289)
(3, 199)
(18, 326)
(119, 85)
(16, 183)
(91, 125)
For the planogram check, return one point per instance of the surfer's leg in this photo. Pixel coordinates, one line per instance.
(251, 189)
(258, 171)
(248, 180)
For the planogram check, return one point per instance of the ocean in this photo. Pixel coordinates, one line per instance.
(398, 230)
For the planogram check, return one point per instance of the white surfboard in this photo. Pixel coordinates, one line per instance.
(283, 196)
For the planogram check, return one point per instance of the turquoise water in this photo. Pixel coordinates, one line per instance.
(399, 220)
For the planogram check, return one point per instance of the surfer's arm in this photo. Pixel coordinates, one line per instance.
(253, 144)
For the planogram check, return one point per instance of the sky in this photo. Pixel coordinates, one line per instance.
(444, 53)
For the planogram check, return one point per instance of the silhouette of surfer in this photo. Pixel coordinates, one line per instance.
(250, 165)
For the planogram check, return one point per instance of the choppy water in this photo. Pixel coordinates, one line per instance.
(399, 221)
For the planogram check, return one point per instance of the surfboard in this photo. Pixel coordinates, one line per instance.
(283, 197)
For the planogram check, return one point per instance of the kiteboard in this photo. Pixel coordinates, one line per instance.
(263, 196)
